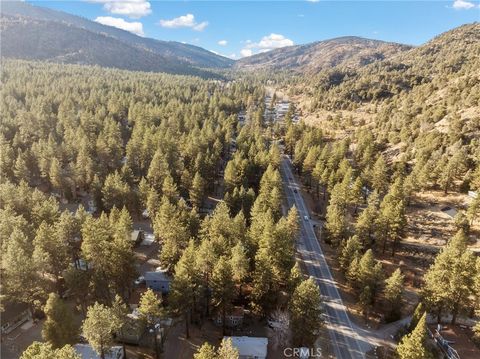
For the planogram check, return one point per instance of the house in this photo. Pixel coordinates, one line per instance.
(158, 281)
(85, 351)
(250, 347)
(15, 314)
(133, 330)
(136, 236)
(233, 319)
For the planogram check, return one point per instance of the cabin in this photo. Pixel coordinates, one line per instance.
(233, 318)
(133, 330)
(250, 347)
(158, 281)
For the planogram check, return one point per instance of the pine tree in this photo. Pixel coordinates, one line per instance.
(394, 289)
(413, 345)
(38, 350)
(98, 328)
(350, 250)
(240, 264)
(150, 307)
(365, 226)
(205, 261)
(336, 225)
(365, 300)
(227, 350)
(169, 189)
(474, 209)
(264, 293)
(223, 288)
(380, 176)
(449, 282)
(158, 170)
(295, 278)
(119, 312)
(305, 313)
(184, 289)
(20, 278)
(417, 315)
(369, 273)
(392, 220)
(20, 169)
(54, 248)
(59, 328)
(206, 351)
(197, 191)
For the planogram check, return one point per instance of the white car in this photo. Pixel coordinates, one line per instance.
(140, 280)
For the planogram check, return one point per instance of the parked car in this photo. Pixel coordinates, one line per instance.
(140, 280)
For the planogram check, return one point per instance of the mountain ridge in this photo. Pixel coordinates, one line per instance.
(349, 51)
(183, 53)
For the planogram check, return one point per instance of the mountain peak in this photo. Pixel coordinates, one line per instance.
(350, 51)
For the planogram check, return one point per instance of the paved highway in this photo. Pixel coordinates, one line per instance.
(345, 339)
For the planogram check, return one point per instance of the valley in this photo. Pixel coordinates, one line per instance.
(160, 200)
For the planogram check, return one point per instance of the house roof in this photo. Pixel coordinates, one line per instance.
(157, 276)
(451, 212)
(250, 346)
(86, 352)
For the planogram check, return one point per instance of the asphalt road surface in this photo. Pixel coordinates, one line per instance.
(346, 341)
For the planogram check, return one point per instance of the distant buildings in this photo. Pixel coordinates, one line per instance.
(250, 347)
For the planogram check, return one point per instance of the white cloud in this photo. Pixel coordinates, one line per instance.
(223, 42)
(201, 26)
(267, 43)
(135, 27)
(462, 4)
(184, 21)
(131, 8)
(246, 52)
(273, 41)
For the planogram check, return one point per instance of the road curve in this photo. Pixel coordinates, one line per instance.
(345, 340)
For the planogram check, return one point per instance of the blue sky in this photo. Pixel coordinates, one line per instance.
(241, 28)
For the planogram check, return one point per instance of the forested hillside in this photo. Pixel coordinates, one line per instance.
(37, 33)
(422, 105)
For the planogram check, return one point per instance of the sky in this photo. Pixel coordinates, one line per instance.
(241, 28)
